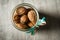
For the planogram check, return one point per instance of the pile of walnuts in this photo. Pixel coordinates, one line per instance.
(24, 17)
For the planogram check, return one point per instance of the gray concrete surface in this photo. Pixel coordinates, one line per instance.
(48, 8)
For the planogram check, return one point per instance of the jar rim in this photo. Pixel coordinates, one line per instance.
(25, 4)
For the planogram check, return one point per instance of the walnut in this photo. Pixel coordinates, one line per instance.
(24, 19)
(16, 19)
(32, 16)
(30, 24)
(21, 10)
(21, 26)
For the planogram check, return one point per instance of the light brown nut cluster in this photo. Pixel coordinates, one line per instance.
(24, 17)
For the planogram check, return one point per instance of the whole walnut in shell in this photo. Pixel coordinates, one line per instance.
(21, 10)
(32, 16)
(21, 26)
(30, 24)
(24, 19)
(16, 19)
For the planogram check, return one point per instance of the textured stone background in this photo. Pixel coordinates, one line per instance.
(48, 8)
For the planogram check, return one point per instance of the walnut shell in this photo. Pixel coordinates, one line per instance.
(21, 26)
(16, 19)
(30, 24)
(24, 19)
(21, 10)
(32, 16)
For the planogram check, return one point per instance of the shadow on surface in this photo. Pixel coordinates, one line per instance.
(52, 23)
